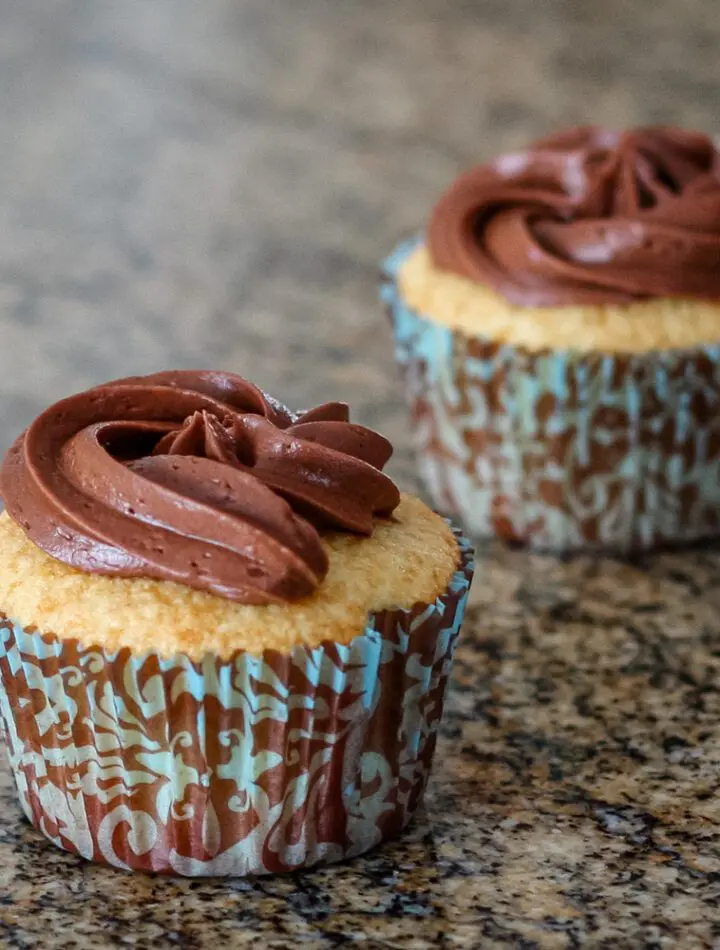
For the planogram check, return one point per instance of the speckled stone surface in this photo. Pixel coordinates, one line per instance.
(214, 184)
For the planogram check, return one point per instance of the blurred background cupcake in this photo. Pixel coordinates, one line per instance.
(558, 327)
(226, 637)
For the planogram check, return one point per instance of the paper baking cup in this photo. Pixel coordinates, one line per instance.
(561, 449)
(251, 765)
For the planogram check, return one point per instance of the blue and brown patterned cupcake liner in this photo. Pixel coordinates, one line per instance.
(251, 765)
(561, 450)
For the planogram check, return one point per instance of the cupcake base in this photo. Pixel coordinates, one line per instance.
(562, 450)
(251, 765)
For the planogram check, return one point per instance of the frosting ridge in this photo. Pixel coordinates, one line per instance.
(199, 478)
(588, 216)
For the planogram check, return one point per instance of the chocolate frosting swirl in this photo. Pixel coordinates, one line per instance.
(588, 216)
(199, 478)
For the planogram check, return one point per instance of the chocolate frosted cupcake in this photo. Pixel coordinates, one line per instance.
(559, 331)
(226, 636)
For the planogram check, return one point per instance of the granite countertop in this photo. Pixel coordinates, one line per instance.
(213, 184)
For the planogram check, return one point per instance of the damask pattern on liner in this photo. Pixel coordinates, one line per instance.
(251, 765)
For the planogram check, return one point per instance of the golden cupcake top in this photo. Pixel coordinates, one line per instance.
(587, 217)
(409, 559)
(477, 311)
(198, 478)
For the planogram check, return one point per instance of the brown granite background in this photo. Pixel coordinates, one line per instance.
(213, 183)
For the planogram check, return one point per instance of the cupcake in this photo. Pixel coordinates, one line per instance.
(559, 331)
(226, 636)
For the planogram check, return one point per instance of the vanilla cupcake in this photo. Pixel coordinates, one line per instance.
(559, 331)
(225, 637)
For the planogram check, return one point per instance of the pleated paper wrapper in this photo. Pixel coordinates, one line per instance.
(561, 450)
(252, 765)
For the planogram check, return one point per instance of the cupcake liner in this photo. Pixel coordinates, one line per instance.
(561, 449)
(251, 765)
